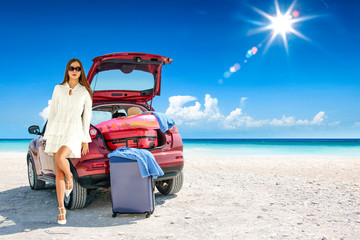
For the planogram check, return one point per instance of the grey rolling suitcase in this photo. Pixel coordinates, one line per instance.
(130, 193)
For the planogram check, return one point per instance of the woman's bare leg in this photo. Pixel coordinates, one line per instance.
(62, 168)
(62, 162)
(60, 184)
(60, 189)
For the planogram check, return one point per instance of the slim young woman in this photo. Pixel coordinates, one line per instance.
(67, 131)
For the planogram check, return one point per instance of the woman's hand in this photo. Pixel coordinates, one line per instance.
(84, 148)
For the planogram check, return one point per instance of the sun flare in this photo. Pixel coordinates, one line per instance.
(281, 24)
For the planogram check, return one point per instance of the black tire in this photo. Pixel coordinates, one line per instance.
(34, 182)
(77, 197)
(171, 186)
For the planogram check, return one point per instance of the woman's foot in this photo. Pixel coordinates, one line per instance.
(62, 215)
(69, 186)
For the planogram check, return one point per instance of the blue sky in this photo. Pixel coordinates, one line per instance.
(310, 91)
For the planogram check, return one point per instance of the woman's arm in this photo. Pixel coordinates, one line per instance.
(86, 118)
(53, 110)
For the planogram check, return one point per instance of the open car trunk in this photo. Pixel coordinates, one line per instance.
(138, 131)
(128, 78)
(132, 77)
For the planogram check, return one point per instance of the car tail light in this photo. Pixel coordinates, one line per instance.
(93, 132)
(98, 165)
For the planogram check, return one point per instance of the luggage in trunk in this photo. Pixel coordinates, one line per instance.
(135, 138)
(135, 132)
(130, 193)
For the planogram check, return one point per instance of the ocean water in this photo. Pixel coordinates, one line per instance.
(14, 144)
(340, 147)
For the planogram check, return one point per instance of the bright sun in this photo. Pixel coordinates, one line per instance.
(282, 24)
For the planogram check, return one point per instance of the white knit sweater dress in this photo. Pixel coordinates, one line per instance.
(65, 124)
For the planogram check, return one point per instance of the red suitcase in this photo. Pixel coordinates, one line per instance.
(134, 138)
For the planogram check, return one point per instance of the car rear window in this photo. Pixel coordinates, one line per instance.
(116, 79)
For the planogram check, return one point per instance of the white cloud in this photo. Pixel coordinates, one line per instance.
(334, 123)
(284, 121)
(184, 114)
(211, 108)
(242, 101)
(195, 116)
(234, 119)
(237, 119)
(46, 111)
(356, 124)
(317, 120)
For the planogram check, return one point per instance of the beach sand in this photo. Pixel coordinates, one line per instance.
(229, 197)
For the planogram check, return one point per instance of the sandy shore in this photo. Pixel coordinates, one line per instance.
(233, 197)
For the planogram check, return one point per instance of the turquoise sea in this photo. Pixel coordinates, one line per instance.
(345, 147)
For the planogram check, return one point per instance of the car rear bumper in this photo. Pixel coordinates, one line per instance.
(103, 180)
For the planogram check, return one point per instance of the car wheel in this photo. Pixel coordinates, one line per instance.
(34, 182)
(171, 186)
(77, 197)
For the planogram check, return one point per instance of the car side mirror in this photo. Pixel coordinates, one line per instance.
(34, 129)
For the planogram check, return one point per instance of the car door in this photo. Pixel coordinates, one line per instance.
(46, 161)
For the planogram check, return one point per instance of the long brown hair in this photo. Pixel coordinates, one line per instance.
(82, 78)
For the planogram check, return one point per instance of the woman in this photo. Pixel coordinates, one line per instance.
(67, 130)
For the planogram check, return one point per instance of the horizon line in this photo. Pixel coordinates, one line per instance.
(1, 139)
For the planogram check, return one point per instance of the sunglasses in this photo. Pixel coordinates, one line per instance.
(78, 69)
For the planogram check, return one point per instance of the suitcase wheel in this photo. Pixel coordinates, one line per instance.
(114, 214)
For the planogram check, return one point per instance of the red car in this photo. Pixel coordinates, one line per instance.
(120, 81)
